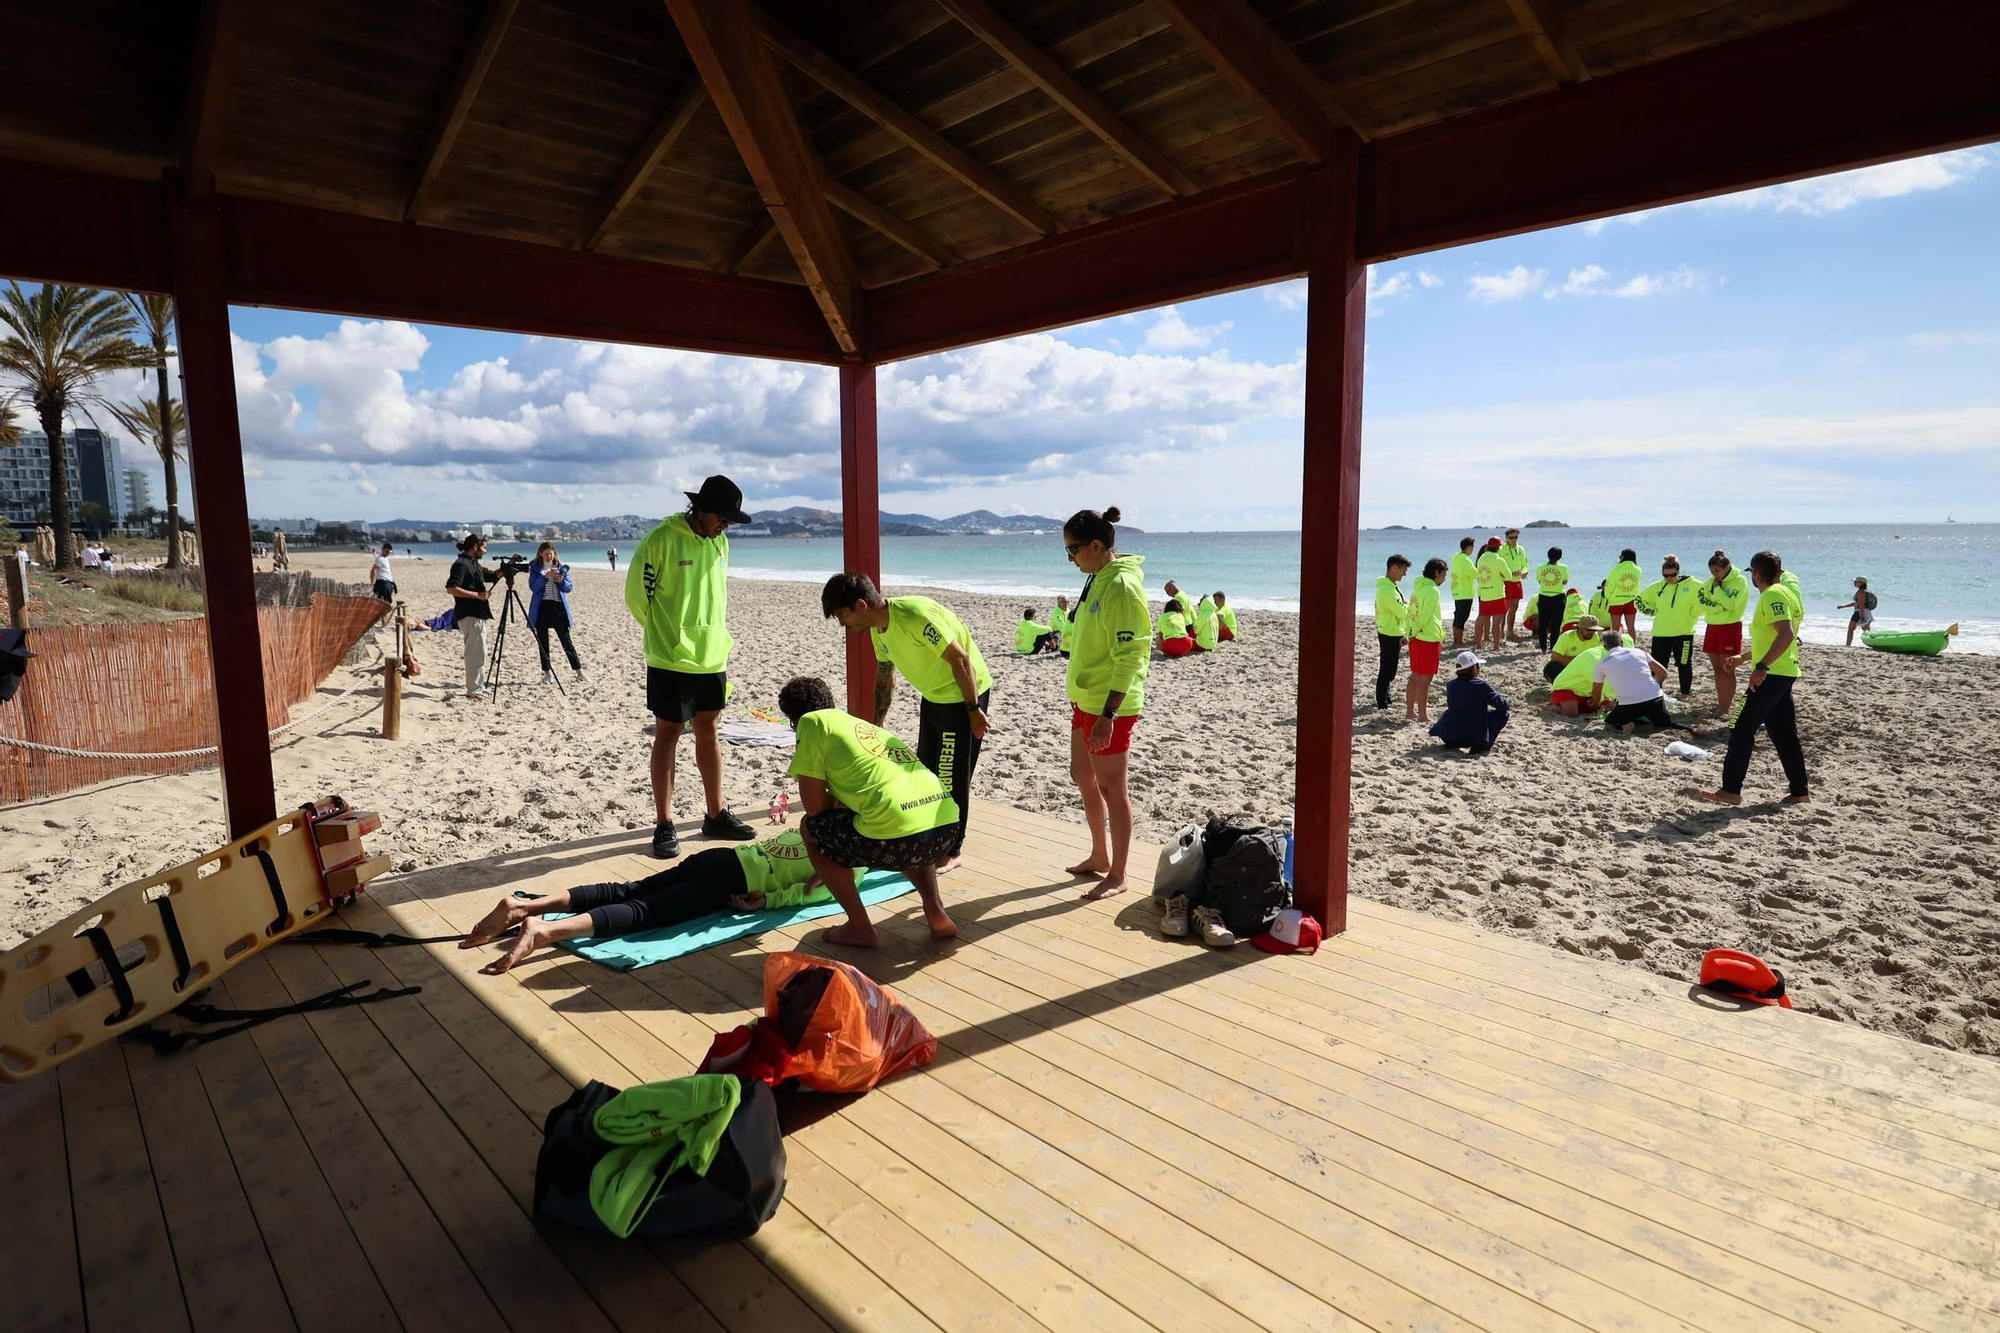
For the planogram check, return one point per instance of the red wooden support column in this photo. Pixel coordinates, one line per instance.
(229, 586)
(860, 518)
(1336, 310)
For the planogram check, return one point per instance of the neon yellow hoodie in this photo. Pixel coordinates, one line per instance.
(1464, 576)
(1574, 608)
(1207, 634)
(1516, 557)
(1723, 602)
(1426, 620)
(1622, 583)
(1025, 635)
(1552, 578)
(1391, 608)
(677, 588)
(1113, 641)
(1674, 607)
(1173, 625)
(1493, 573)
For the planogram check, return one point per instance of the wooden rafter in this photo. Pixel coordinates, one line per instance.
(722, 38)
(458, 104)
(1241, 47)
(1538, 19)
(1062, 87)
(672, 124)
(201, 121)
(838, 80)
(871, 214)
(749, 243)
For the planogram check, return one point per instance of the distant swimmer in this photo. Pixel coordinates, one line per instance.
(1516, 557)
(1551, 583)
(1864, 609)
(1464, 586)
(1474, 712)
(1674, 603)
(1492, 589)
(1621, 587)
(1426, 635)
(1723, 600)
(1392, 611)
(1768, 703)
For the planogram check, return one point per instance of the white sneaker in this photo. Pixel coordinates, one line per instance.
(1208, 922)
(548, 678)
(1174, 916)
(582, 679)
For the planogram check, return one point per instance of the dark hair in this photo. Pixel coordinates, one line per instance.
(1628, 554)
(1087, 525)
(1027, 613)
(472, 539)
(390, 545)
(845, 589)
(1434, 567)
(1673, 560)
(1719, 558)
(1395, 560)
(550, 547)
(1464, 542)
(1767, 564)
(1221, 599)
(802, 695)
(1555, 553)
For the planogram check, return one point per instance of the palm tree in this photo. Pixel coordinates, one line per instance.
(155, 314)
(58, 341)
(143, 420)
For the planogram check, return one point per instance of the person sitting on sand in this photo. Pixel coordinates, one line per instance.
(1581, 635)
(754, 877)
(1225, 618)
(1175, 638)
(1207, 630)
(1179, 600)
(1059, 623)
(1633, 678)
(869, 801)
(1426, 627)
(1031, 636)
(1106, 690)
(1572, 692)
(1864, 610)
(1574, 609)
(1474, 712)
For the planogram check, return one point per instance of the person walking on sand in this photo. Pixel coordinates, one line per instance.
(381, 576)
(1634, 679)
(549, 587)
(1552, 596)
(1474, 712)
(1516, 557)
(677, 588)
(1464, 586)
(611, 556)
(869, 801)
(1864, 610)
(934, 650)
(1391, 616)
(1106, 689)
(1723, 600)
(1674, 603)
(1492, 589)
(1426, 627)
(1768, 702)
(1621, 591)
(471, 587)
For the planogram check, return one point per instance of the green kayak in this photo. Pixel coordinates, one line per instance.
(1923, 643)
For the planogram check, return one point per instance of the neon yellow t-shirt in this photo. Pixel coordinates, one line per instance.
(1569, 643)
(1113, 644)
(1025, 635)
(1675, 607)
(1492, 577)
(1552, 579)
(914, 641)
(677, 588)
(1391, 609)
(1426, 620)
(1173, 625)
(1600, 606)
(1464, 576)
(873, 774)
(1621, 585)
(1724, 601)
(1581, 673)
(778, 868)
(1516, 556)
(1573, 609)
(1227, 615)
(1775, 606)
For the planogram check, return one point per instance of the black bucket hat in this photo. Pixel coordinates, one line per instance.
(720, 495)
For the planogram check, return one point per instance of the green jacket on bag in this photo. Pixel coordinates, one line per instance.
(677, 588)
(659, 1128)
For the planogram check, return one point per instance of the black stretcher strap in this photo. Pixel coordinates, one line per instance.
(340, 997)
(113, 968)
(171, 924)
(367, 939)
(277, 891)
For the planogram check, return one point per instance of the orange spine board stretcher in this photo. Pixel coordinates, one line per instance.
(141, 950)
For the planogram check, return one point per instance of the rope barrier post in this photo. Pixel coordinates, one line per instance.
(392, 683)
(17, 593)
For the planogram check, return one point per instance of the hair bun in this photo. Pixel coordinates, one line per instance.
(1112, 515)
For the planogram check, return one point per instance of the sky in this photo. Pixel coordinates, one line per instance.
(1824, 351)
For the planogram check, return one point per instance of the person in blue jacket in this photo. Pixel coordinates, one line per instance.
(549, 588)
(1474, 712)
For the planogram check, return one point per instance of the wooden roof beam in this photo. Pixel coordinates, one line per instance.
(1062, 87)
(672, 124)
(872, 215)
(201, 122)
(942, 153)
(1537, 18)
(749, 243)
(722, 37)
(458, 103)
(1265, 72)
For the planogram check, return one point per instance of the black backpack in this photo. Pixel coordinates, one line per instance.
(1245, 880)
(742, 1190)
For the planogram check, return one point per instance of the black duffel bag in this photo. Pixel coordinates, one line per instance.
(741, 1191)
(1245, 875)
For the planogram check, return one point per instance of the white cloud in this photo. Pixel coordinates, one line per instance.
(1844, 189)
(1596, 226)
(1512, 285)
(1585, 281)
(1287, 295)
(1171, 333)
(1942, 342)
(1426, 278)
(1383, 287)
(1682, 279)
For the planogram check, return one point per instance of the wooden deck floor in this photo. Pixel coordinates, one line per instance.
(1422, 1127)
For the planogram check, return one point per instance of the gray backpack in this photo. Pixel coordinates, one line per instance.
(1246, 876)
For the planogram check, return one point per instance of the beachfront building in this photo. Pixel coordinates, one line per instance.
(138, 492)
(95, 478)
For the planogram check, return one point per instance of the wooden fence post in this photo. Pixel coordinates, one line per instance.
(17, 593)
(392, 683)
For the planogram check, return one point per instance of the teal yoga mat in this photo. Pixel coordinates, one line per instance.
(626, 952)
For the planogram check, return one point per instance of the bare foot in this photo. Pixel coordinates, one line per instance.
(525, 943)
(1720, 797)
(1796, 800)
(1628, 728)
(951, 865)
(1088, 866)
(506, 914)
(851, 935)
(1108, 887)
(942, 926)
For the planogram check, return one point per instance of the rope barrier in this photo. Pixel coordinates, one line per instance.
(360, 679)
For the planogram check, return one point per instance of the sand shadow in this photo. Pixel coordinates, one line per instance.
(1722, 1004)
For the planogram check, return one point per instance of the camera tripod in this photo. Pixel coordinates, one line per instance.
(512, 604)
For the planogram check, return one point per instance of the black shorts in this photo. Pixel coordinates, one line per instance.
(1461, 611)
(385, 590)
(676, 696)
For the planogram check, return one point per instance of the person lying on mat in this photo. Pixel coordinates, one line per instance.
(753, 877)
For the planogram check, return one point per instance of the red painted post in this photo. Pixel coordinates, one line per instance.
(860, 517)
(229, 585)
(1336, 310)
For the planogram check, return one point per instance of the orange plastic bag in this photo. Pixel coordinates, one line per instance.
(846, 1033)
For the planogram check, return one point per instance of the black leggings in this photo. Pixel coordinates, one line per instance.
(1549, 619)
(1676, 650)
(1392, 652)
(696, 887)
(552, 616)
(947, 747)
(1768, 706)
(1461, 611)
(1653, 711)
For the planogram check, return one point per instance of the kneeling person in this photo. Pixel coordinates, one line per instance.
(752, 878)
(1634, 680)
(869, 802)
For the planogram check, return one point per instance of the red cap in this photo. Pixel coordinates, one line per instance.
(1743, 976)
(1492, 543)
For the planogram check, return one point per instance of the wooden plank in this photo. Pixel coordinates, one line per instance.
(45, 1288)
(124, 1255)
(226, 1274)
(864, 210)
(1238, 45)
(207, 83)
(860, 497)
(723, 41)
(672, 124)
(1539, 20)
(1063, 88)
(458, 102)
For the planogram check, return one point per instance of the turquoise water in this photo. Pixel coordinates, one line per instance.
(1926, 575)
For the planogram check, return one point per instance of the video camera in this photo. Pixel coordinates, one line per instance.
(512, 565)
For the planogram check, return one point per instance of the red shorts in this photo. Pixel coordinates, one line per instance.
(1513, 591)
(1496, 607)
(1121, 729)
(1176, 647)
(1625, 609)
(1568, 697)
(1723, 639)
(1424, 657)
(1226, 633)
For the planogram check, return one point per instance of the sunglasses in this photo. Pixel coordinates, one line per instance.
(1072, 548)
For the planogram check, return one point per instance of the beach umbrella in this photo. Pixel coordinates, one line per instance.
(280, 557)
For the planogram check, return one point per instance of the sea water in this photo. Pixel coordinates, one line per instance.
(1925, 575)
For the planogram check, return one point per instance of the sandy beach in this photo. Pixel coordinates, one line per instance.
(1871, 900)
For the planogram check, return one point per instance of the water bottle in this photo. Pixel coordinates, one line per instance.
(1288, 853)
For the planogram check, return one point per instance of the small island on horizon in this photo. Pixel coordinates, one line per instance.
(1545, 523)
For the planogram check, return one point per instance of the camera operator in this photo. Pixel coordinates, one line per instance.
(471, 586)
(549, 587)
